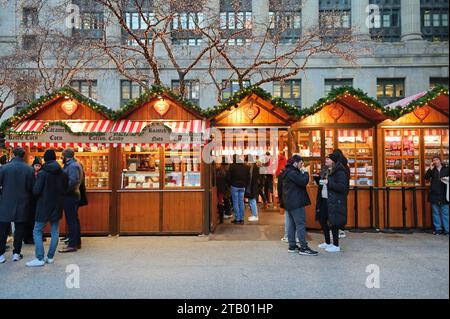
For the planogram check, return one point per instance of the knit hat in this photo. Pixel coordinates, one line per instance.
(335, 156)
(295, 159)
(3, 160)
(68, 153)
(49, 155)
(37, 160)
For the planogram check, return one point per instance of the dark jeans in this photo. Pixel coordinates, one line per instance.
(323, 220)
(297, 225)
(19, 229)
(71, 213)
(268, 186)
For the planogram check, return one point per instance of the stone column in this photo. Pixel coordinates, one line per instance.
(310, 14)
(410, 17)
(359, 19)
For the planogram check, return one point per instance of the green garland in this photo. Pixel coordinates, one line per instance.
(338, 93)
(153, 92)
(430, 96)
(242, 94)
(36, 105)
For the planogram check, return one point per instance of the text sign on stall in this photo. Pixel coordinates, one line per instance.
(155, 133)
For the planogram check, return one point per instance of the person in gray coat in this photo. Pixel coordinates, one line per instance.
(16, 183)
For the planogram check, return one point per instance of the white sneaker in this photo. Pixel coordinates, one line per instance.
(342, 234)
(35, 263)
(2, 259)
(227, 216)
(324, 246)
(333, 249)
(253, 219)
(284, 239)
(49, 260)
(17, 257)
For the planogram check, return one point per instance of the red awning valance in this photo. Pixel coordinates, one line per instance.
(36, 126)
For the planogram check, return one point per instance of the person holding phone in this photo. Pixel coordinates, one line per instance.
(438, 175)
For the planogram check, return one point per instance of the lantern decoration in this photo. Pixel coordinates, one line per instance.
(161, 107)
(252, 111)
(422, 112)
(69, 107)
(335, 112)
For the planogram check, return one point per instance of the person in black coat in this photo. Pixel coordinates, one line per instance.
(238, 177)
(293, 198)
(252, 191)
(16, 182)
(331, 209)
(29, 226)
(438, 174)
(49, 189)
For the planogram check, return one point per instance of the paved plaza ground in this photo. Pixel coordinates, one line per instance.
(237, 262)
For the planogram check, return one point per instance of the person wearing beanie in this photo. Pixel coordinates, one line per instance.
(16, 182)
(28, 236)
(438, 175)
(49, 190)
(294, 198)
(72, 198)
(331, 209)
(3, 160)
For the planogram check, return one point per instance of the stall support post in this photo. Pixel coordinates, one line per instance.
(387, 225)
(371, 208)
(404, 229)
(356, 228)
(416, 216)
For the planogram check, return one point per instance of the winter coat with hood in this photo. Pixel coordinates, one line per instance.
(438, 189)
(50, 187)
(292, 188)
(338, 188)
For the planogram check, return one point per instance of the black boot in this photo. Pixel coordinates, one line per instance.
(221, 212)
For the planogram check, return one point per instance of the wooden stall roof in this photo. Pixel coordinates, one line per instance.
(363, 108)
(146, 108)
(428, 107)
(50, 108)
(253, 107)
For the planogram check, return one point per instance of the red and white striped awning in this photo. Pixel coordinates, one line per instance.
(136, 127)
(355, 133)
(36, 126)
(51, 145)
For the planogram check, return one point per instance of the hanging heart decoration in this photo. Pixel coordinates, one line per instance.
(252, 111)
(69, 107)
(335, 112)
(422, 112)
(162, 107)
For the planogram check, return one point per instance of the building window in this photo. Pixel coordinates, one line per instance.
(29, 42)
(231, 87)
(129, 90)
(23, 98)
(86, 87)
(390, 90)
(140, 21)
(438, 81)
(285, 20)
(192, 90)
(236, 21)
(188, 21)
(331, 84)
(434, 17)
(30, 17)
(92, 20)
(335, 14)
(289, 90)
(386, 26)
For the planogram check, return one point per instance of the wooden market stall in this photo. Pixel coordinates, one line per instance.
(418, 130)
(251, 122)
(345, 119)
(161, 181)
(64, 119)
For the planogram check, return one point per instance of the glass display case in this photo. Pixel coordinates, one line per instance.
(95, 162)
(357, 146)
(402, 157)
(182, 168)
(141, 168)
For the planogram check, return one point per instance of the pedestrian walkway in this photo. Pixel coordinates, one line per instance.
(411, 266)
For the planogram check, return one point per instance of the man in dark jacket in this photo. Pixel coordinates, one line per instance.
(238, 177)
(29, 226)
(252, 190)
(438, 194)
(75, 174)
(49, 190)
(294, 198)
(16, 182)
